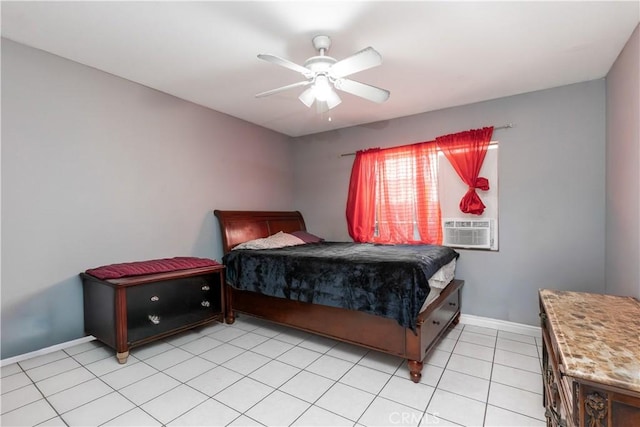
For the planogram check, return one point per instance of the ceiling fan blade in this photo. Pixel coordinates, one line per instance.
(359, 61)
(287, 64)
(362, 90)
(283, 88)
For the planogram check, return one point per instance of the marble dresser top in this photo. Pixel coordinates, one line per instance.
(598, 336)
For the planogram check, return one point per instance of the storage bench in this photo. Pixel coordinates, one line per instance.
(127, 305)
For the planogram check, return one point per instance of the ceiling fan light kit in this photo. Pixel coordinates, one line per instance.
(323, 74)
(321, 87)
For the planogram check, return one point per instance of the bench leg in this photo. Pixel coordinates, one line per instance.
(456, 319)
(122, 357)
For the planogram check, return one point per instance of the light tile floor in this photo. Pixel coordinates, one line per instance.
(256, 373)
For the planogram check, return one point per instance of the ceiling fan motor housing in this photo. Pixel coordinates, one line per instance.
(321, 42)
(319, 64)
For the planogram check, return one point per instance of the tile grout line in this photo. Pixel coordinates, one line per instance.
(34, 383)
(245, 375)
(99, 377)
(353, 364)
(507, 385)
(243, 413)
(435, 388)
(377, 394)
(332, 385)
(486, 405)
(39, 391)
(188, 385)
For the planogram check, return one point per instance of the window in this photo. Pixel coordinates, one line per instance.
(397, 195)
(393, 196)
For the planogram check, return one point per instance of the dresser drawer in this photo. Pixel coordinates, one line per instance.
(440, 318)
(155, 308)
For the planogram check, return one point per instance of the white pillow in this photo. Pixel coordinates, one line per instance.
(443, 276)
(278, 240)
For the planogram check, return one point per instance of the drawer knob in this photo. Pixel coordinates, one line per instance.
(436, 322)
(205, 304)
(205, 287)
(155, 298)
(154, 319)
(452, 304)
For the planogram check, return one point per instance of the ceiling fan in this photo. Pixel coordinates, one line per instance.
(324, 73)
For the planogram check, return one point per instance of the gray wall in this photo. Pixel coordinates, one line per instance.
(623, 172)
(93, 166)
(552, 200)
(99, 170)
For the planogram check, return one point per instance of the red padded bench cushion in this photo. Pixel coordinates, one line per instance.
(141, 268)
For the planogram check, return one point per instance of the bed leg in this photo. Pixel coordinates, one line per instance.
(415, 370)
(230, 318)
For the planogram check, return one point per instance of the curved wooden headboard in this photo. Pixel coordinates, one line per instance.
(240, 226)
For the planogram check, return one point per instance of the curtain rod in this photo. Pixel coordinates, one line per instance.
(507, 126)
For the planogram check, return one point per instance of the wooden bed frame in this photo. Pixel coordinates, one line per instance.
(363, 329)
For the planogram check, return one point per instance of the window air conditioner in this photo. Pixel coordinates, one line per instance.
(471, 233)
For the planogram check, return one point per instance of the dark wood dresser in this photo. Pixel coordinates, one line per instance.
(128, 312)
(591, 359)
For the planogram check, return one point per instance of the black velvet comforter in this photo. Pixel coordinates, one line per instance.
(384, 280)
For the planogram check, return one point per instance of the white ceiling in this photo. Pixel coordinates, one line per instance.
(435, 54)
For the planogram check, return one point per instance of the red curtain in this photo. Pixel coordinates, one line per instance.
(428, 207)
(361, 213)
(397, 190)
(466, 151)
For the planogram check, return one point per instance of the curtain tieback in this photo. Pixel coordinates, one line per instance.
(481, 183)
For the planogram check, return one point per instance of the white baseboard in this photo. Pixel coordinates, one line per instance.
(47, 350)
(503, 325)
(467, 319)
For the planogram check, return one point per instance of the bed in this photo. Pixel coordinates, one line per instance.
(411, 339)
